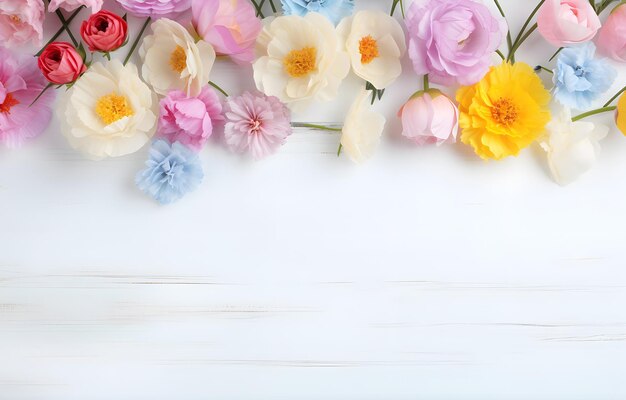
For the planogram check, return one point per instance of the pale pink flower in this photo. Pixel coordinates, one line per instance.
(256, 124)
(567, 22)
(21, 22)
(71, 5)
(612, 36)
(20, 84)
(429, 117)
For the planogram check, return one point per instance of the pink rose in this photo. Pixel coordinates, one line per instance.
(189, 120)
(60, 63)
(429, 117)
(21, 22)
(104, 31)
(612, 36)
(71, 5)
(567, 22)
(231, 26)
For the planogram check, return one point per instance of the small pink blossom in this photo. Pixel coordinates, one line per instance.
(566, 22)
(21, 22)
(429, 117)
(71, 5)
(155, 8)
(256, 124)
(612, 36)
(189, 120)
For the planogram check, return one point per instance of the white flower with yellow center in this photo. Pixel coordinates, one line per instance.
(362, 129)
(173, 60)
(301, 60)
(376, 44)
(109, 111)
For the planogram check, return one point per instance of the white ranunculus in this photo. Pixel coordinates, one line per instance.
(109, 111)
(173, 60)
(301, 60)
(362, 129)
(572, 147)
(376, 44)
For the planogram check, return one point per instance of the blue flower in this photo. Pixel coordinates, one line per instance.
(334, 10)
(172, 171)
(579, 78)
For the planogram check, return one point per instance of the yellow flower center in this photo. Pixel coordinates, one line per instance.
(15, 19)
(178, 59)
(368, 49)
(504, 111)
(9, 101)
(299, 63)
(112, 107)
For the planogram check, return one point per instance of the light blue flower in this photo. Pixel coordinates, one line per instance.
(172, 171)
(580, 78)
(334, 10)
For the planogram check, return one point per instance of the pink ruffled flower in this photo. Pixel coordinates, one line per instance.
(256, 124)
(189, 120)
(21, 22)
(612, 36)
(20, 84)
(71, 5)
(566, 22)
(231, 26)
(155, 8)
(453, 40)
(429, 117)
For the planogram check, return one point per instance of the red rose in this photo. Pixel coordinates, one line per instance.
(104, 31)
(60, 63)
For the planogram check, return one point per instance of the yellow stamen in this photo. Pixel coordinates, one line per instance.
(368, 47)
(504, 111)
(113, 107)
(178, 59)
(299, 63)
(15, 19)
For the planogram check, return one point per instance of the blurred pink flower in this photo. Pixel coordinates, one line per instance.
(20, 84)
(71, 5)
(256, 124)
(612, 36)
(155, 8)
(231, 26)
(189, 120)
(566, 22)
(429, 117)
(21, 22)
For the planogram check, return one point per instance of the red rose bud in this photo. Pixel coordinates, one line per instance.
(104, 31)
(60, 63)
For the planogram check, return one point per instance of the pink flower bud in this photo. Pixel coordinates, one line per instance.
(429, 117)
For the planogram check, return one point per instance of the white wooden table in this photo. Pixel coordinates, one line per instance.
(424, 274)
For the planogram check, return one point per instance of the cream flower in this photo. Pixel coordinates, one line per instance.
(301, 60)
(572, 147)
(109, 112)
(376, 43)
(173, 60)
(362, 129)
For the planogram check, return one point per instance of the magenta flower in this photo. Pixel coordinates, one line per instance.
(453, 40)
(256, 124)
(189, 120)
(20, 84)
(155, 8)
(231, 26)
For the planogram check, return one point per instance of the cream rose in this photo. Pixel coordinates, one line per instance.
(362, 129)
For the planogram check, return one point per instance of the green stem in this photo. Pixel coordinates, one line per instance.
(339, 149)
(519, 42)
(402, 8)
(603, 6)
(216, 86)
(426, 83)
(315, 126)
(259, 12)
(593, 112)
(41, 94)
(60, 31)
(556, 53)
(273, 6)
(66, 27)
(136, 42)
(509, 41)
(545, 69)
(498, 52)
(530, 17)
(615, 97)
(394, 5)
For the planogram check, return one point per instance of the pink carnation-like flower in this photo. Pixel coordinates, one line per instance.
(231, 26)
(21, 22)
(71, 5)
(20, 84)
(189, 120)
(429, 117)
(155, 8)
(256, 124)
(453, 40)
(612, 36)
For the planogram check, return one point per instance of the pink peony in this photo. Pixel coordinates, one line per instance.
(21, 22)
(20, 84)
(189, 120)
(429, 117)
(60, 63)
(71, 5)
(256, 124)
(612, 36)
(104, 31)
(566, 22)
(155, 8)
(453, 40)
(231, 26)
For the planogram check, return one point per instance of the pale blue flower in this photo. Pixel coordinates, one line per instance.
(172, 171)
(580, 78)
(334, 10)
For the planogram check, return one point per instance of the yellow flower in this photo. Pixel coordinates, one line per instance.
(620, 116)
(504, 112)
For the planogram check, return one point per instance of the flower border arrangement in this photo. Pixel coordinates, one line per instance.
(300, 54)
